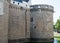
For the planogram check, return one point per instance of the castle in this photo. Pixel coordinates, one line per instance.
(20, 23)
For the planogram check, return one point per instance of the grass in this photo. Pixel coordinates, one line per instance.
(57, 36)
(58, 39)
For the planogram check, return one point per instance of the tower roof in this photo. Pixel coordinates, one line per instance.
(18, 0)
(26, 0)
(21, 0)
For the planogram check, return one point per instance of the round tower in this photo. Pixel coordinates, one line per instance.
(41, 23)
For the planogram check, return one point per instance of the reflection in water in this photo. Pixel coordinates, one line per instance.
(56, 41)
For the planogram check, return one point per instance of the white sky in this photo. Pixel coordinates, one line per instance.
(55, 3)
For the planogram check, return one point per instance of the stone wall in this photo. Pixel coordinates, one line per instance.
(15, 22)
(19, 21)
(41, 26)
(4, 22)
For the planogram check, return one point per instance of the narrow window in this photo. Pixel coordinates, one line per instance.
(35, 27)
(32, 19)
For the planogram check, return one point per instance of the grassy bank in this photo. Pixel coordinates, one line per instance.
(57, 36)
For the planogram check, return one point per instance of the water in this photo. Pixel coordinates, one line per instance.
(56, 41)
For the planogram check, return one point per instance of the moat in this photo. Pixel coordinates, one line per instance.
(55, 41)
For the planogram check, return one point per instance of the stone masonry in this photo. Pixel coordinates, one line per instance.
(14, 22)
(18, 23)
(4, 11)
(41, 26)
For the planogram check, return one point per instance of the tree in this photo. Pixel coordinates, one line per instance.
(57, 25)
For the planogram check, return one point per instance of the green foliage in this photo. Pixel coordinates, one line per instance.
(57, 25)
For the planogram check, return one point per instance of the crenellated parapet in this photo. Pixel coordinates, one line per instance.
(17, 7)
(42, 7)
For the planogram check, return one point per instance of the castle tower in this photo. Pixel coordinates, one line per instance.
(41, 22)
(4, 11)
(14, 22)
(19, 23)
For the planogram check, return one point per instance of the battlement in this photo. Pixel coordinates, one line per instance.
(22, 4)
(17, 7)
(42, 6)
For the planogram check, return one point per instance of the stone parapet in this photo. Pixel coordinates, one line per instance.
(42, 6)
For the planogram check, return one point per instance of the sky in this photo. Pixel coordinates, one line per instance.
(54, 3)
